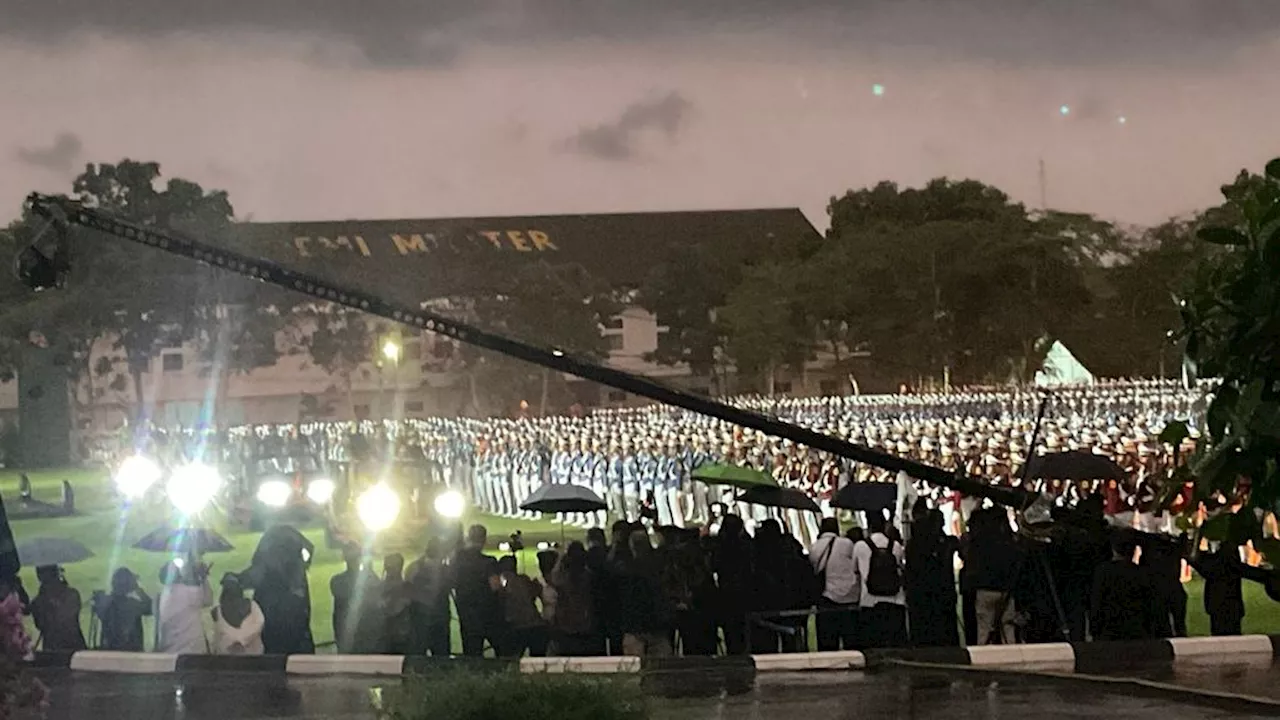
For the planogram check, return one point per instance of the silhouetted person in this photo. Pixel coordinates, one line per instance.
(397, 599)
(1223, 571)
(475, 575)
(430, 581)
(931, 583)
(56, 611)
(733, 564)
(121, 613)
(1162, 559)
(357, 612)
(645, 617)
(992, 552)
(1123, 597)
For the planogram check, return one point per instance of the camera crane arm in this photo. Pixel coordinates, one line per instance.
(63, 213)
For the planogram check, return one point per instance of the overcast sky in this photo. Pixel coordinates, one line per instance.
(314, 109)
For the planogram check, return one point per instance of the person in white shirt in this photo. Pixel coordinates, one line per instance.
(832, 555)
(186, 592)
(237, 621)
(883, 621)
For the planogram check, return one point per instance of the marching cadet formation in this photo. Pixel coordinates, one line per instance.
(641, 460)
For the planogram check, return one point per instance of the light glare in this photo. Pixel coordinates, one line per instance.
(192, 487)
(450, 504)
(378, 507)
(136, 476)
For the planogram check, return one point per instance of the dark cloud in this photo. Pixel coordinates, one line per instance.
(61, 156)
(619, 139)
(392, 32)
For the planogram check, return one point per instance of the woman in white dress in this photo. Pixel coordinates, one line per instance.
(179, 609)
(237, 621)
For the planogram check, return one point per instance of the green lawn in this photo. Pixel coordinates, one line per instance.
(102, 526)
(110, 533)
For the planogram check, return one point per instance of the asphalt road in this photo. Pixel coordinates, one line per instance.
(829, 696)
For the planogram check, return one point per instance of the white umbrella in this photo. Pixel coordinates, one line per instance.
(38, 552)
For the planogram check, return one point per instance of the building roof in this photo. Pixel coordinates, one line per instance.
(419, 259)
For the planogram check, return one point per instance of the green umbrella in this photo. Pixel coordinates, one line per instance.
(743, 478)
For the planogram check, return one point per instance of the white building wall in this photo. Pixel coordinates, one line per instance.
(185, 391)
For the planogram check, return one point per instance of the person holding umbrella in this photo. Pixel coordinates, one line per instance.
(184, 596)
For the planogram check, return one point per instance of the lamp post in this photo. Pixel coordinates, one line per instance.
(391, 351)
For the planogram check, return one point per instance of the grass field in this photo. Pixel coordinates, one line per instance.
(102, 527)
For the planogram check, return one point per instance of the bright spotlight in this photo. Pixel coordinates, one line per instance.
(274, 493)
(136, 475)
(192, 487)
(378, 507)
(450, 504)
(391, 350)
(320, 491)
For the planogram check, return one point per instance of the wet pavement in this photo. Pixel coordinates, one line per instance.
(896, 694)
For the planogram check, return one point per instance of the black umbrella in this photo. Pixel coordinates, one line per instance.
(1074, 465)
(866, 496)
(779, 497)
(555, 498)
(183, 541)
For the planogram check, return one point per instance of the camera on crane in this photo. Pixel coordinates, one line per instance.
(45, 262)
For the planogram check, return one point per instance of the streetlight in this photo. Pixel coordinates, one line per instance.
(391, 351)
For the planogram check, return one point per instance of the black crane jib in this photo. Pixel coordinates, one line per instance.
(63, 213)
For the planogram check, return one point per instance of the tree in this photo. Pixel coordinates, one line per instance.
(139, 298)
(559, 307)
(952, 279)
(339, 340)
(684, 292)
(1231, 328)
(767, 323)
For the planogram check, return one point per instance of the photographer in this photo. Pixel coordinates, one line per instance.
(56, 611)
(122, 611)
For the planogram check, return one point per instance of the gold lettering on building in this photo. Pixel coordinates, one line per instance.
(409, 243)
(519, 241)
(541, 240)
(301, 244)
(494, 237)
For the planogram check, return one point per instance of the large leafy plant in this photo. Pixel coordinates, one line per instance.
(1231, 330)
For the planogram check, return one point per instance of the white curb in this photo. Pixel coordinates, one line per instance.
(844, 660)
(1040, 656)
(345, 665)
(580, 664)
(1201, 647)
(124, 662)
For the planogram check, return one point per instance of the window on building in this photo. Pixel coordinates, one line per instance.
(613, 323)
(617, 396)
(782, 387)
(614, 342)
(171, 362)
(829, 387)
(414, 406)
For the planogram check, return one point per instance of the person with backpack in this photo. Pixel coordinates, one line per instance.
(879, 563)
(836, 582)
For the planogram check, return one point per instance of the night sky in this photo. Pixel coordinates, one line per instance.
(306, 109)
